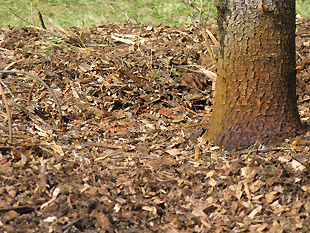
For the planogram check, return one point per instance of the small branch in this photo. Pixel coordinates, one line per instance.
(196, 124)
(20, 17)
(43, 180)
(241, 152)
(70, 224)
(8, 114)
(41, 20)
(37, 78)
(201, 11)
(188, 5)
(219, 68)
(30, 92)
(20, 209)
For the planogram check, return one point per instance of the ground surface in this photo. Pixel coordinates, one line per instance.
(135, 100)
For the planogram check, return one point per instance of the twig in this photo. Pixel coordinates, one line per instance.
(219, 68)
(65, 227)
(20, 209)
(196, 124)
(8, 114)
(188, 5)
(306, 166)
(214, 40)
(30, 92)
(267, 149)
(116, 63)
(43, 180)
(37, 78)
(12, 63)
(68, 33)
(209, 7)
(20, 17)
(41, 19)
(190, 70)
(201, 11)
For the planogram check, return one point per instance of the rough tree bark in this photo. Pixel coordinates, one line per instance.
(255, 99)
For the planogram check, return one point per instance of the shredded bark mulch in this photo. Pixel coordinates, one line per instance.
(127, 153)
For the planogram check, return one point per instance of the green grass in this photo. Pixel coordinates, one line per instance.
(303, 8)
(88, 13)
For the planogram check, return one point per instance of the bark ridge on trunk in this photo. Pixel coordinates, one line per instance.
(255, 100)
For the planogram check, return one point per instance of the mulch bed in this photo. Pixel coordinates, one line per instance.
(127, 155)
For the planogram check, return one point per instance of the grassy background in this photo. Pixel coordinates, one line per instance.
(88, 13)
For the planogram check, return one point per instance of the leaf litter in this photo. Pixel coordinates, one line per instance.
(128, 154)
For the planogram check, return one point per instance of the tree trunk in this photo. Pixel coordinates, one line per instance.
(255, 99)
